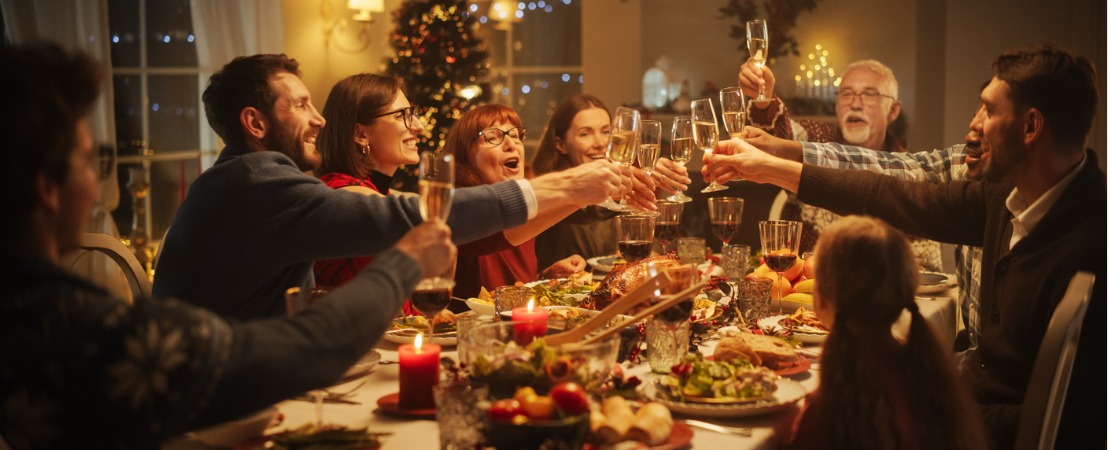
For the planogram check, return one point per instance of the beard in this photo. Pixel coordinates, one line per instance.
(857, 136)
(1003, 158)
(283, 142)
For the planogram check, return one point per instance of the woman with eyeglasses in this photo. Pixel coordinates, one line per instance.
(488, 144)
(371, 131)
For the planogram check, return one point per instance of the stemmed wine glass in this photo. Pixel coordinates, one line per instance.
(437, 188)
(780, 240)
(724, 217)
(666, 223)
(682, 145)
(651, 137)
(634, 236)
(757, 47)
(705, 132)
(733, 110)
(623, 145)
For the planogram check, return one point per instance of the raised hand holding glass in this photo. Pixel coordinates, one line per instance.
(705, 132)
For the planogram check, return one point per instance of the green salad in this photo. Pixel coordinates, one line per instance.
(698, 379)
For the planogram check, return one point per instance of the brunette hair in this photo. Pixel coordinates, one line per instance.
(352, 100)
(548, 158)
(244, 82)
(875, 391)
(464, 133)
(46, 91)
(1061, 85)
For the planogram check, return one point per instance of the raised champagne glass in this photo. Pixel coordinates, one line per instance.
(651, 138)
(682, 146)
(757, 47)
(437, 189)
(780, 240)
(705, 132)
(623, 144)
(734, 111)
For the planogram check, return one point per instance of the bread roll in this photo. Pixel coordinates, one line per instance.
(619, 418)
(733, 347)
(652, 424)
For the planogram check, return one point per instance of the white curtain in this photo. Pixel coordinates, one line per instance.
(225, 30)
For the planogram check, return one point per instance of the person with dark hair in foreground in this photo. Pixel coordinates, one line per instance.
(83, 369)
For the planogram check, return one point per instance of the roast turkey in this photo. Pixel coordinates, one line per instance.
(625, 278)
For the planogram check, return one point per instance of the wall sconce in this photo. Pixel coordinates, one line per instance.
(506, 13)
(335, 29)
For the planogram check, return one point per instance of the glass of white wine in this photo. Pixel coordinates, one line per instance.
(651, 138)
(757, 46)
(734, 111)
(682, 145)
(623, 144)
(705, 132)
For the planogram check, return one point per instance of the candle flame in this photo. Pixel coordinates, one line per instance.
(416, 343)
(531, 303)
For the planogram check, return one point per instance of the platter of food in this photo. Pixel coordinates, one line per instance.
(803, 324)
(645, 425)
(604, 264)
(780, 394)
(935, 282)
(406, 328)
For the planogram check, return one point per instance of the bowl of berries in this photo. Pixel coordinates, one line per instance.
(556, 421)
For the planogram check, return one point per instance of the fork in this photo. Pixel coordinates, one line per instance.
(745, 432)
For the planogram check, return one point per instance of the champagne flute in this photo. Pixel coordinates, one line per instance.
(757, 47)
(682, 145)
(734, 111)
(622, 146)
(724, 217)
(651, 136)
(437, 189)
(780, 240)
(705, 132)
(667, 222)
(634, 236)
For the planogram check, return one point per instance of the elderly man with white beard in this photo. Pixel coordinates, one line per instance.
(866, 104)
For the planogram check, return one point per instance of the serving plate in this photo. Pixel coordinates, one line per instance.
(408, 336)
(787, 393)
(935, 282)
(805, 335)
(604, 264)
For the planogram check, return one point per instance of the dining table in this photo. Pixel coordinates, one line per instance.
(360, 408)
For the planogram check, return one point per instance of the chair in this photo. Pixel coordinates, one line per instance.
(776, 206)
(1048, 383)
(111, 246)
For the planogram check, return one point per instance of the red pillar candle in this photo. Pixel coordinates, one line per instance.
(530, 323)
(419, 375)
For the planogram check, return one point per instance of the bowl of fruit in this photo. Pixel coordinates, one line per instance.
(528, 420)
(496, 356)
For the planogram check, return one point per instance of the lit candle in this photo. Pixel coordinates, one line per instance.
(419, 375)
(531, 323)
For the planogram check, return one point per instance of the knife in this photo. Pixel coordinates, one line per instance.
(745, 432)
(326, 399)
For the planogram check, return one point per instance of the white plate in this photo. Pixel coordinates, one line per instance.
(788, 393)
(772, 323)
(362, 367)
(604, 264)
(934, 282)
(408, 335)
(481, 308)
(559, 324)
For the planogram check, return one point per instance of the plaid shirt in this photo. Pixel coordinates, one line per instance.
(937, 166)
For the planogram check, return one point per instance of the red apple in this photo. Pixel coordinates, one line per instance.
(505, 409)
(809, 269)
(571, 398)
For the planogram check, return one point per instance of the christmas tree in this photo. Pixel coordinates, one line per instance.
(444, 64)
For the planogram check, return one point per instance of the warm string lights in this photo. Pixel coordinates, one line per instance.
(816, 79)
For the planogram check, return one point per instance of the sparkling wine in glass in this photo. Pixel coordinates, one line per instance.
(623, 144)
(651, 138)
(705, 132)
(667, 222)
(724, 217)
(634, 236)
(757, 47)
(437, 185)
(682, 146)
(780, 240)
(733, 110)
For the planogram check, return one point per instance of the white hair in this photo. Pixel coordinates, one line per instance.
(889, 84)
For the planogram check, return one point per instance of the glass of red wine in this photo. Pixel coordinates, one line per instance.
(780, 240)
(437, 189)
(431, 297)
(634, 235)
(724, 217)
(667, 222)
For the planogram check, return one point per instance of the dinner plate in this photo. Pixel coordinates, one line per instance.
(362, 367)
(556, 322)
(805, 336)
(604, 264)
(681, 435)
(801, 365)
(934, 282)
(787, 393)
(408, 335)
